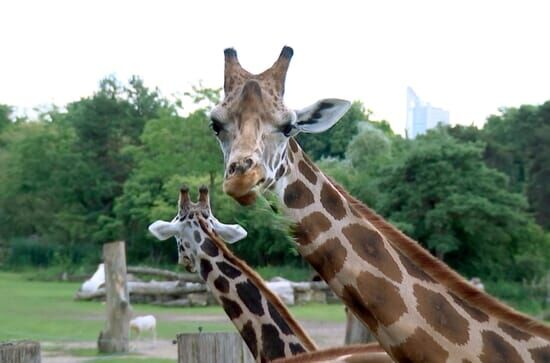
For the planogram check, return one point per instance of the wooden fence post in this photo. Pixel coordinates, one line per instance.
(213, 348)
(115, 336)
(24, 351)
(356, 331)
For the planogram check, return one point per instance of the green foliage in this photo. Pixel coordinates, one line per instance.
(5, 116)
(108, 165)
(461, 209)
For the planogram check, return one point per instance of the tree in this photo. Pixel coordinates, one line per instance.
(5, 116)
(449, 200)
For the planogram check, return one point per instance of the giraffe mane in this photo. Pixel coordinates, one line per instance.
(333, 353)
(442, 273)
(259, 282)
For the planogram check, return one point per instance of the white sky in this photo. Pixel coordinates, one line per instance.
(469, 57)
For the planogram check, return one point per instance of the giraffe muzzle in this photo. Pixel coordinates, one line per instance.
(241, 178)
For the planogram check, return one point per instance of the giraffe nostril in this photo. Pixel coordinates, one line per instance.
(232, 168)
(248, 163)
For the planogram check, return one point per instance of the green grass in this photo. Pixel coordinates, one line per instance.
(46, 311)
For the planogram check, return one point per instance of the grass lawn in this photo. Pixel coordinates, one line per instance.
(47, 312)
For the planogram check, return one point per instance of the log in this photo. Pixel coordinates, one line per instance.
(148, 288)
(24, 351)
(213, 348)
(188, 277)
(356, 331)
(115, 336)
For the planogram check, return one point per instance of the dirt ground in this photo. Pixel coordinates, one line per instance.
(325, 334)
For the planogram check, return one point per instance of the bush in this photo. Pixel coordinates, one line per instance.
(521, 296)
(30, 251)
(23, 252)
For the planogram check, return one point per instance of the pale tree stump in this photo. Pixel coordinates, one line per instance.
(115, 336)
(356, 331)
(213, 348)
(25, 351)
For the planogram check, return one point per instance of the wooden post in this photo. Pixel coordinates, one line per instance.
(115, 336)
(213, 348)
(24, 351)
(356, 331)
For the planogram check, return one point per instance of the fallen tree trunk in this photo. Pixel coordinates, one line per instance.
(189, 277)
(24, 351)
(148, 288)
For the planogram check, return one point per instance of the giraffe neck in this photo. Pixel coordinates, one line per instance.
(414, 316)
(264, 323)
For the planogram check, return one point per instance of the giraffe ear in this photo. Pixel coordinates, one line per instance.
(230, 233)
(321, 116)
(163, 230)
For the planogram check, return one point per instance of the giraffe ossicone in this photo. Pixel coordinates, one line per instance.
(419, 309)
(252, 124)
(186, 229)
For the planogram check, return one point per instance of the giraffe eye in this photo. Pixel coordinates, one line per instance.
(216, 126)
(286, 129)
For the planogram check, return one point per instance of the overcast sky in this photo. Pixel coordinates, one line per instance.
(467, 57)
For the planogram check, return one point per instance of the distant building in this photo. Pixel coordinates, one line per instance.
(422, 116)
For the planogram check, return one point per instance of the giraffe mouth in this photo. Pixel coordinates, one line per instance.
(244, 188)
(187, 264)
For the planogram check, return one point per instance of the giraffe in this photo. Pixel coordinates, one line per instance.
(197, 234)
(418, 308)
(266, 326)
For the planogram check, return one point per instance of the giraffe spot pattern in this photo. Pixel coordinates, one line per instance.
(297, 195)
(278, 319)
(293, 145)
(328, 259)
(228, 270)
(249, 336)
(354, 301)
(419, 347)
(197, 236)
(497, 350)
(332, 202)
(205, 269)
(355, 212)
(475, 313)
(250, 295)
(369, 245)
(466, 361)
(307, 172)
(280, 172)
(231, 308)
(311, 226)
(311, 164)
(221, 284)
(441, 315)
(413, 269)
(540, 355)
(209, 247)
(272, 345)
(296, 348)
(514, 332)
(382, 298)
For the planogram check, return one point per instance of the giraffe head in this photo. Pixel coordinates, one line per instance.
(188, 227)
(253, 125)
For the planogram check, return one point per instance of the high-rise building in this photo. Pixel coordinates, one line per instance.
(422, 116)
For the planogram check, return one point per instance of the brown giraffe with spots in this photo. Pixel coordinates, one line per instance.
(266, 326)
(418, 308)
